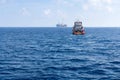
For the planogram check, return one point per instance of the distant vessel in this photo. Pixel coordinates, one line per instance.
(61, 25)
(78, 28)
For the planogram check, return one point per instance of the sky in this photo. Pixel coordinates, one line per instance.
(47, 13)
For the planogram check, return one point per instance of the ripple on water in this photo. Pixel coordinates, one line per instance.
(38, 54)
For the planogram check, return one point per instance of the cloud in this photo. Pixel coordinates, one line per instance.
(62, 1)
(85, 7)
(47, 12)
(61, 14)
(97, 2)
(109, 9)
(99, 5)
(108, 1)
(25, 12)
(86, 4)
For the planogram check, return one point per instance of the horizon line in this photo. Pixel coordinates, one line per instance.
(56, 27)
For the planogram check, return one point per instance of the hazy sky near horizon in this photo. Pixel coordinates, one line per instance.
(93, 13)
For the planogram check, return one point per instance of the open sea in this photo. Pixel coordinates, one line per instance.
(56, 54)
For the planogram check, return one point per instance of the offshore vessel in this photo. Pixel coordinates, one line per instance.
(78, 28)
(61, 25)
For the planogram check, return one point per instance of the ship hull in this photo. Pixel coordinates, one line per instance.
(78, 33)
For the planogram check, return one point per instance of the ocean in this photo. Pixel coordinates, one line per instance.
(55, 54)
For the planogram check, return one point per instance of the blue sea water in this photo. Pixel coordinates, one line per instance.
(56, 54)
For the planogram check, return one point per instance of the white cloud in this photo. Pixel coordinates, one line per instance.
(25, 12)
(61, 3)
(101, 4)
(85, 7)
(94, 2)
(61, 14)
(47, 12)
(97, 2)
(108, 1)
(109, 9)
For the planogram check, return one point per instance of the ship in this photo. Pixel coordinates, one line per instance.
(78, 28)
(61, 25)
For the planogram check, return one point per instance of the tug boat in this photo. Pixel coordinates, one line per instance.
(78, 28)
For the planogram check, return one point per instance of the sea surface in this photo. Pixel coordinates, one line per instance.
(56, 54)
